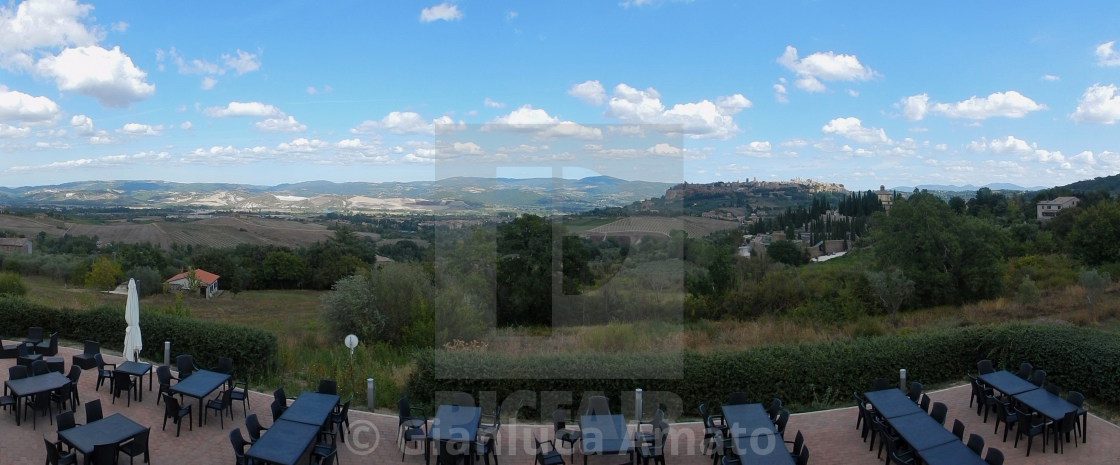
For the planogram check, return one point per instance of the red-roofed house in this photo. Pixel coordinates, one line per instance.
(207, 282)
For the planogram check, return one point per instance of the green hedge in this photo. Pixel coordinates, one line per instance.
(253, 350)
(805, 376)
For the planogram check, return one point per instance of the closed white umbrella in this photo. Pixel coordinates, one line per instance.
(133, 342)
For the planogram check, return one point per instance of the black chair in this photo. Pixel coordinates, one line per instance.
(8, 401)
(342, 417)
(105, 454)
(976, 443)
(328, 386)
(55, 455)
(34, 335)
(985, 398)
(898, 452)
(1078, 399)
(122, 382)
(1006, 414)
(163, 376)
(242, 394)
(85, 359)
(775, 409)
(642, 436)
(137, 445)
(277, 410)
(172, 410)
(48, 348)
(225, 365)
(939, 412)
(796, 445)
(412, 425)
(985, 366)
(803, 459)
(25, 357)
(281, 398)
(39, 367)
(1029, 426)
(958, 429)
(598, 405)
(184, 364)
(783, 418)
(563, 434)
(915, 393)
(924, 403)
(712, 431)
(547, 457)
(1038, 378)
(103, 373)
(61, 396)
(485, 444)
(93, 411)
(655, 450)
(1063, 427)
(738, 398)
(325, 451)
(15, 372)
(75, 375)
(39, 403)
(880, 384)
(220, 403)
(994, 457)
(65, 421)
(1052, 388)
(1025, 370)
(238, 442)
(253, 426)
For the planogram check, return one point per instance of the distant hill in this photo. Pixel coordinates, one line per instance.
(1110, 184)
(999, 186)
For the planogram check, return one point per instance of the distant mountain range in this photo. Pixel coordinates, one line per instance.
(452, 194)
(999, 186)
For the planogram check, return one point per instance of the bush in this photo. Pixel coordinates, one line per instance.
(377, 305)
(253, 350)
(148, 280)
(12, 285)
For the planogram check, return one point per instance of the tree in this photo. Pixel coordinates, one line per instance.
(379, 303)
(105, 274)
(524, 273)
(1095, 284)
(958, 205)
(892, 288)
(788, 252)
(1094, 233)
(148, 280)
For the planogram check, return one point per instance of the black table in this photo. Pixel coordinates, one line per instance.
(747, 420)
(453, 423)
(285, 443)
(605, 434)
(199, 385)
(57, 364)
(762, 449)
(1050, 406)
(137, 370)
(950, 453)
(892, 403)
(921, 431)
(32, 385)
(113, 429)
(311, 408)
(1007, 382)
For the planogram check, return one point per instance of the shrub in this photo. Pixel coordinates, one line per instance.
(12, 285)
(148, 280)
(377, 305)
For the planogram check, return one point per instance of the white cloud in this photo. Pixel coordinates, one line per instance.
(82, 123)
(256, 109)
(780, 91)
(405, 122)
(1106, 56)
(280, 124)
(13, 132)
(311, 90)
(529, 119)
(493, 104)
(18, 106)
(511, 15)
(702, 119)
(240, 62)
(119, 26)
(208, 83)
(759, 149)
(39, 24)
(591, 92)
(101, 138)
(1026, 151)
(1099, 104)
(1010, 104)
(185, 125)
(1051, 77)
(823, 66)
(107, 161)
(852, 128)
(444, 11)
(138, 129)
(526, 115)
(106, 75)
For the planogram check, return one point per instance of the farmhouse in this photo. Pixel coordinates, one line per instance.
(1048, 209)
(207, 282)
(16, 245)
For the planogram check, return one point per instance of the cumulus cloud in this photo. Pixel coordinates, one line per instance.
(1026, 151)
(281, 124)
(18, 106)
(758, 148)
(1099, 104)
(185, 125)
(13, 132)
(852, 128)
(703, 119)
(39, 24)
(106, 75)
(493, 104)
(529, 119)
(256, 109)
(823, 66)
(208, 83)
(780, 91)
(1051, 77)
(1010, 104)
(241, 62)
(591, 92)
(82, 123)
(138, 129)
(526, 116)
(107, 161)
(443, 12)
(1106, 55)
(401, 122)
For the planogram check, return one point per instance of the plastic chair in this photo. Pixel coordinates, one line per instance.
(65, 421)
(958, 429)
(738, 398)
(775, 409)
(172, 410)
(138, 445)
(1078, 399)
(102, 372)
(925, 402)
(655, 450)
(277, 410)
(184, 364)
(462, 399)
(63, 395)
(880, 384)
(241, 394)
(1038, 378)
(1025, 370)
(598, 405)
(39, 403)
(342, 417)
(783, 418)
(39, 367)
(485, 443)
(549, 456)
(75, 375)
(1063, 427)
(939, 412)
(976, 443)
(898, 453)
(328, 386)
(93, 411)
(412, 425)
(122, 382)
(254, 427)
(85, 359)
(797, 444)
(564, 435)
(985, 366)
(1007, 415)
(225, 365)
(915, 392)
(55, 455)
(220, 403)
(48, 348)
(238, 442)
(163, 376)
(994, 457)
(1029, 428)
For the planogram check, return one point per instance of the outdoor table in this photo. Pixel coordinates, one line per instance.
(113, 429)
(26, 360)
(605, 434)
(1050, 406)
(453, 423)
(311, 408)
(950, 453)
(137, 370)
(748, 420)
(32, 385)
(285, 443)
(892, 403)
(56, 364)
(921, 431)
(199, 385)
(1007, 382)
(762, 449)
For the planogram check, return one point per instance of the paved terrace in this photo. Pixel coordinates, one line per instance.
(830, 435)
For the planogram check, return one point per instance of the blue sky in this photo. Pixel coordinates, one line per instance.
(861, 93)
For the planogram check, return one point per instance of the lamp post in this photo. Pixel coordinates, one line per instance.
(351, 342)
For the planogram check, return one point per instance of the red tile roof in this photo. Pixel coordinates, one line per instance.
(204, 276)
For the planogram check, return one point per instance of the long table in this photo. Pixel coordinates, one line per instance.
(1050, 406)
(311, 408)
(890, 403)
(1006, 382)
(199, 385)
(113, 429)
(950, 453)
(924, 434)
(605, 434)
(285, 443)
(32, 385)
(754, 437)
(453, 423)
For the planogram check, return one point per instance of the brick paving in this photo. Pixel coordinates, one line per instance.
(830, 435)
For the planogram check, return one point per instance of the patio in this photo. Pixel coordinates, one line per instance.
(830, 435)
